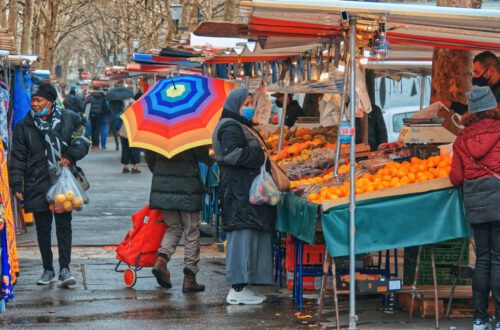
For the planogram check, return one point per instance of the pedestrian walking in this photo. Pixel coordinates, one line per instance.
(177, 189)
(130, 156)
(43, 141)
(72, 102)
(98, 109)
(249, 228)
(476, 166)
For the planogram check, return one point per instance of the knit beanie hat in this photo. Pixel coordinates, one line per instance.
(481, 99)
(45, 90)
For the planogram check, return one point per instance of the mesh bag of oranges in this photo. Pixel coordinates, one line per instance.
(66, 195)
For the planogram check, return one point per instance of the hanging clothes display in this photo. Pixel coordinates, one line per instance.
(8, 214)
(262, 104)
(4, 108)
(21, 99)
(329, 110)
(6, 290)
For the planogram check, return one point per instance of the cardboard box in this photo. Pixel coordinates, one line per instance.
(310, 283)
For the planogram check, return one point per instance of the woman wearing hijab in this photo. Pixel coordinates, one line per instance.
(476, 166)
(249, 228)
(46, 139)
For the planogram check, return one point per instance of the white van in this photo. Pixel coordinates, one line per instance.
(393, 118)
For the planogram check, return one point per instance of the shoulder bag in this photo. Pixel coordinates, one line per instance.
(489, 170)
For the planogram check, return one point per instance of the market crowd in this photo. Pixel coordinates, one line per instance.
(50, 137)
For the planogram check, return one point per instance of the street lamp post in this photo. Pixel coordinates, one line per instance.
(175, 13)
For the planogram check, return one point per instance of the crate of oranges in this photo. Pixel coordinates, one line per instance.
(392, 175)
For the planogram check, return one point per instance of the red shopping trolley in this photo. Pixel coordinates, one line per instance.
(141, 244)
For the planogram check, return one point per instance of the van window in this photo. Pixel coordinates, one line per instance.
(397, 120)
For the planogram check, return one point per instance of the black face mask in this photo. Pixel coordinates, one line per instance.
(481, 80)
(279, 104)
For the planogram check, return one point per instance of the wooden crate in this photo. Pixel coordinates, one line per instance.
(424, 307)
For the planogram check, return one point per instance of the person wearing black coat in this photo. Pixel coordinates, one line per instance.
(71, 102)
(177, 189)
(377, 131)
(98, 109)
(46, 139)
(293, 109)
(249, 228)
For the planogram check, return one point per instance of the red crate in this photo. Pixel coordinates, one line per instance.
(313, 254)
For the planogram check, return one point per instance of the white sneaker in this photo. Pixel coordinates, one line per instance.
(481, 325)
(244, 297)
(258, 294)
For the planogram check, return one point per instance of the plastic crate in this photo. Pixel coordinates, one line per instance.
(446, 256)
(313, 255)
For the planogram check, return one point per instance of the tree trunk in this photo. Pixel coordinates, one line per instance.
(229, 9)
(27, 24)
(49, 35)
(451, 68)
(12, 17)
(3, 17)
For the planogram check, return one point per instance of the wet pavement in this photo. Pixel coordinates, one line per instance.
(100, 300)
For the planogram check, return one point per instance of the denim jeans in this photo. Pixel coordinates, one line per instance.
(104, 131)
(486, 276)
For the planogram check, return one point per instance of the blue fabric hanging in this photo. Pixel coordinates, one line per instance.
(6, 292)
(247, 69)
(21, 100)
(274, 67)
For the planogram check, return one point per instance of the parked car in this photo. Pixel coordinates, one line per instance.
(393, 118)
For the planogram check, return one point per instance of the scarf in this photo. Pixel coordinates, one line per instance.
(53, 143)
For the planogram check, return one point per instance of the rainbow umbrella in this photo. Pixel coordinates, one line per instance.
(176, 114)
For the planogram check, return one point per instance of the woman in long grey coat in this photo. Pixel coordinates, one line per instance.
(249, 227)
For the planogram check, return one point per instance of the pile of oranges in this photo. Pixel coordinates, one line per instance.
(343, 169)
(390, 176)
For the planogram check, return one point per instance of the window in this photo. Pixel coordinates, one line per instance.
(397, 120)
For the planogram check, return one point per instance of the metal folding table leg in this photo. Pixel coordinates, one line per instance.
(326, 268)
(456, 278)
(335, 294)
(434, 278)
(414, 286)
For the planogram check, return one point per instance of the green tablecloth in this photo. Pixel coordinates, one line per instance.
(298, 217)
(397, 222)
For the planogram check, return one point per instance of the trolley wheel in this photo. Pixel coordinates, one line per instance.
(129, 277)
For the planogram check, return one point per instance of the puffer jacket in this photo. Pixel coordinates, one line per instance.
(29, 172)
(71, 102)
(176, 184)
(240, 158)
(481, 141)
(98, 105)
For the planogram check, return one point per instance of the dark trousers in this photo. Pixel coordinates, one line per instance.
(486, 276)
(43, 222)
(130, 155)
(95, 127)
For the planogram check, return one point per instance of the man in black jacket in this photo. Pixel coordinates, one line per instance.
(177, 189)
(98, 109)
(293, 109)
(377, 131)
(72, 102)
(44, 140)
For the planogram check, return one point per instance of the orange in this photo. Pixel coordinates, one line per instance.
(377, 179)
(359, 191)
(442, 173)
(402, 173)
(422, 167)
(333, 196)
(405, 180)
(313, 196)
(387, 178)
(413, 169)
(380, 186)
(370, 187)
(412, 177)
(386, 184)
(415, 160)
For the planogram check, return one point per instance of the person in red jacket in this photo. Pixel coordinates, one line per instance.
(476, 166)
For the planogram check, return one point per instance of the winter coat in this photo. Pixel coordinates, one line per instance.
(480, 141)
(73, 103)
(240, 157)
(98, 105)
(29, 172)
(293, 110)
(177, 184)
(377, 131)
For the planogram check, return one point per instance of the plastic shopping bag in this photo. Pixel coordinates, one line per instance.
(66, 194)
(264, 190)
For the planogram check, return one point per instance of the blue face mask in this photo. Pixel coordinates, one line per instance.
(42, 113)
(248, 113)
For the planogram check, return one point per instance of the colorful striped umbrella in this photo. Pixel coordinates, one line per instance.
(176, 114)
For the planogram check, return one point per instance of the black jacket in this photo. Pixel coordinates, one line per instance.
(73, 103)
(29, 172)
(293, 110)
(377, 132)
(236, 178)
(98, 105)
(176, 184)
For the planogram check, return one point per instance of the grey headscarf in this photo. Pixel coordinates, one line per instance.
(235, 100)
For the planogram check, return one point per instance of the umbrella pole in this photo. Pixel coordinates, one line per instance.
(342, 110)
(352, 207)
(282, 122)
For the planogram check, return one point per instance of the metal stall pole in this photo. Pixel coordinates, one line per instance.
(326, 268)
(422, 92)
(342, 109)
(414, 291)
(434, 279)
(282, 122)
(335, 293)
(353, 318)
